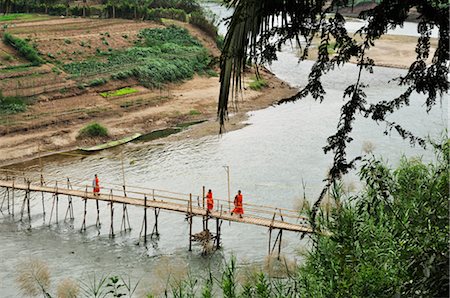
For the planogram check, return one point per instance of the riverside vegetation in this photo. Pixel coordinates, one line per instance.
(159, 56)
(390, 239)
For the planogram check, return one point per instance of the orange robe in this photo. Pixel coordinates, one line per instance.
(96, 185)
(209, 201)
(238, 207)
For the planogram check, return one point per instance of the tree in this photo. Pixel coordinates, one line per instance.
(113, 4)
(258, 28)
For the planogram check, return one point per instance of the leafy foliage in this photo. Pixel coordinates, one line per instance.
(258, 29)
(160, 56)
(24, 48)
(391, 240)
(12, 105)
(257, 84)
(93, 130)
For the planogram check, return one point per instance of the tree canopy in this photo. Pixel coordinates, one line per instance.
(258, 29)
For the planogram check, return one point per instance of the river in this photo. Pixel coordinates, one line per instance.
(268, 161)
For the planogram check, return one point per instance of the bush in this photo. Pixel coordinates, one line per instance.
(392, 240)
(93, 130)
(160, 56)
(198, 19)
(12, 105)
(97, 82)
(24, 48)
(257, 84)
(167, 13)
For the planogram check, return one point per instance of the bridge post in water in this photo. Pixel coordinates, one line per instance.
(83, 226)
(155, 227)
(111, 229)
(28, 194)
(205, 226)
(97, 222)
(42, 194)
(190, 221)
(145, 219)
(69, 211)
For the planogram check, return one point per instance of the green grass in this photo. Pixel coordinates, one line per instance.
(257, 84)
(194, 112)
(22, 17)
(93, 130)
(119, 92)
(16, 68)
(24, 48)
(159, 56)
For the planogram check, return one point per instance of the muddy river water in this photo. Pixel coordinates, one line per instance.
(268, 161)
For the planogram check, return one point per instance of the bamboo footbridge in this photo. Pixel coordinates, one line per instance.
(19, 186)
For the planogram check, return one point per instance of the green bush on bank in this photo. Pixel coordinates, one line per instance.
(199, 19)
(257, 84)
(93, 130)
(24, 48)
(156, 14)
(389, 241)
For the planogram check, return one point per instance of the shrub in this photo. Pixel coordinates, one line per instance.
(199, 20)
(97, 82)
(160, 56)
(257, 84)
(24, 48)
(194, 112)
(93, 130)
(12, 105)
(167, 13)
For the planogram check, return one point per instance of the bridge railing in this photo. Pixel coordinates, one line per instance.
(138, 192)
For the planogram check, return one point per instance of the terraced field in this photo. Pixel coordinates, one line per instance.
(87, 57)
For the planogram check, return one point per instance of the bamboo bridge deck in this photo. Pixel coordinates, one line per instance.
(191, 205)
(163, 205)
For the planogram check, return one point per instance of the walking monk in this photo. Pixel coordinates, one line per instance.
(96, 186)
(209, 201)
(238, 207)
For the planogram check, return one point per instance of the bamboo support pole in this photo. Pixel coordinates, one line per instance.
(42, 195)
(69, 211)
(279, 244)
(270, 230)
(218, 224)
(22, 210)
(190, 222)
(57, 204)
(111, 230)
(155, 227)
(4, 198)
(97, 222)
(28, 207)
(203, 207)
(12, 198)
(145, 220)
(83, 226)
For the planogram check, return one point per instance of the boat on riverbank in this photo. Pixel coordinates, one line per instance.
(111, 144)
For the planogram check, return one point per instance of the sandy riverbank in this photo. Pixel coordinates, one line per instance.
(199, 95)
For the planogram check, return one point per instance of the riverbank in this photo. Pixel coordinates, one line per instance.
(189, 101)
